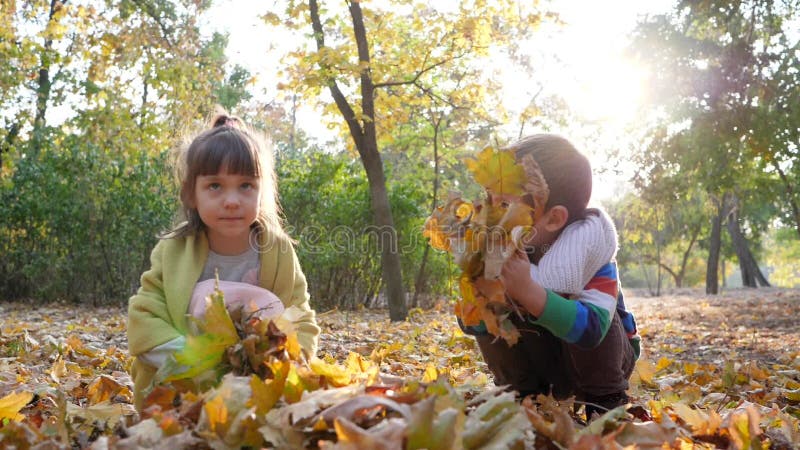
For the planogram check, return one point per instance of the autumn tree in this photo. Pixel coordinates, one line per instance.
(379, 64)
(95, 95)
(714, 68)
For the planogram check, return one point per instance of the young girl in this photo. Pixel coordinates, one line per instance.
(232, 228)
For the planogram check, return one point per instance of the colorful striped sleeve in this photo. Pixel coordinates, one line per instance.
(584, 320)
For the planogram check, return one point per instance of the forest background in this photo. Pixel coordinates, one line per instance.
(407, 91)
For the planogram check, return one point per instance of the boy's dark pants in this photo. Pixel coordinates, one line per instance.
(543, 363)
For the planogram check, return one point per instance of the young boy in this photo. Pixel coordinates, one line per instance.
(577, 338)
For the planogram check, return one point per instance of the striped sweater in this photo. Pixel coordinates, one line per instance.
(583, 319)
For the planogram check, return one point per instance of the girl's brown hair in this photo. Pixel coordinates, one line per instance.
(566, 170)
(230, 144)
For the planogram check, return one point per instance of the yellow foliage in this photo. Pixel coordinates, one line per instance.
(497, 171)
(216, 412)
(335, 374)
(12, 403)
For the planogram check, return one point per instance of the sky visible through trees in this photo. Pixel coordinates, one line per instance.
(582, 60)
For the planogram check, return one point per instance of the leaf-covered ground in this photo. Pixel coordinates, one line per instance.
(718, 372)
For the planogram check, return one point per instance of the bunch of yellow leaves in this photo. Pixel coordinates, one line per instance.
(482, 235)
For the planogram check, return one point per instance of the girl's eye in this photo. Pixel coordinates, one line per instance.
(248, 186)
(214, 186)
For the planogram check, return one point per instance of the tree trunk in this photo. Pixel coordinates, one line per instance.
(685, 259)
(646, 275)
(421, 273)
(751, 273)
(790, 195)
(43, 85)
(715, 243)
(658, 257)
(364, 136)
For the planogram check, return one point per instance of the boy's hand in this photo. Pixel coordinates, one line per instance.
(516, 276)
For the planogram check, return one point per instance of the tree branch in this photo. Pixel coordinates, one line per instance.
(367, 87)
(338, 97)
(150, 11)
(416, 76)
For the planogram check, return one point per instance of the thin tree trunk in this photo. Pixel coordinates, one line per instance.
(646, 275)
(421, 273)
(685, 258)
(676, 277)
(790, 195)
(364, 136)
(715, 243)
(658, 257)
(8, 142)
(43, 86)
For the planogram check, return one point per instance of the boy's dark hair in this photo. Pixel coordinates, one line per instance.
(566, 170)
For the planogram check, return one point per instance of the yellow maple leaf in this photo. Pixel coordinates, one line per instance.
(216, 412)
(205, 351)
(266, 393)
(293, 386)
(497, 171)
(336, 375)
(645, 371)
(12, 403)
(431, 374)
(663, 363)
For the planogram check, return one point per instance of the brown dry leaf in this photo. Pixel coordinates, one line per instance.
(103, 388)
(387, 435)
(351, 407)
(646, 435)
(702, 422)
(104, 413)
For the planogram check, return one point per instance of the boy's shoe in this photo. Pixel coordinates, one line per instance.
(601, 404)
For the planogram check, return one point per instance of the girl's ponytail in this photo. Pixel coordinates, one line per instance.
(224, 120)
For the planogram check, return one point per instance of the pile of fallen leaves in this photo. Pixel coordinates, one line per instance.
(719, 372)
(482, 235)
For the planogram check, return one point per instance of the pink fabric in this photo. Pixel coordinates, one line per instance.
(237, 295)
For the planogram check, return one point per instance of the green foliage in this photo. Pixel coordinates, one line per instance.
(233, 90)
(783, 256)
(83, 199)
(659, 235)
(723, 77)
(79, 223)
(326, 201)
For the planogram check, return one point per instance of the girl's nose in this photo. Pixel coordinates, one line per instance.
(231, 201)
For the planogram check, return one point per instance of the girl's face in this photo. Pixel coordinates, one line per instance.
(227, 204)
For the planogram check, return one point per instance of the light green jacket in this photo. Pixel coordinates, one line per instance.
(158, 312)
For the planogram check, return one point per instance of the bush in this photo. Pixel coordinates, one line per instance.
(78, 222)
